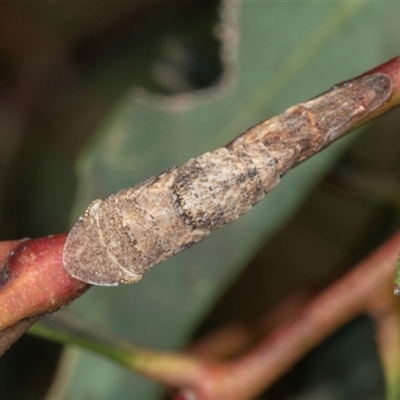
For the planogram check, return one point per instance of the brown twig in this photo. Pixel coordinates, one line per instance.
(10, 335)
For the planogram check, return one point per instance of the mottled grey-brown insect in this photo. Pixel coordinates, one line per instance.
(118, 239)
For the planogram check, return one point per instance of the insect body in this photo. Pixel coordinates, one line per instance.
(119, 238)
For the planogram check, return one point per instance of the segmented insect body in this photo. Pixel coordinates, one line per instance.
(119, 238)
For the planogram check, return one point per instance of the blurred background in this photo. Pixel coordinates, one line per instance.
(97, 96)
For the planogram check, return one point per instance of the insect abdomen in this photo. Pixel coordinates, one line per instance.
(146, 224)
(216, 188)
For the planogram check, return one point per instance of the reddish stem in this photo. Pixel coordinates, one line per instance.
(236, 338)
(249, 375)
(37, 282)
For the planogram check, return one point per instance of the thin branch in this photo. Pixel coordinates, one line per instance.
(335, 306)
(236, 338)
(10, 335)
(168, 368)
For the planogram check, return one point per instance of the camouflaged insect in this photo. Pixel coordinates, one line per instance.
(118, 239)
